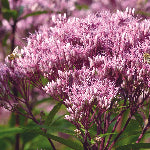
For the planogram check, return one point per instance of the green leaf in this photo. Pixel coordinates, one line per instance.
(34, 14)
(52, 129)
(106, 134)
(143, 13)
(22, 119)
(44, 81)
(5, 4)
(5, 144)
(128, 138)
(12, 119)
(139, 119)
(134, 146)
(7, 132)
(37, 129)
(67, 142)
(43, 100)
(130, 134)
(133, 126)
(125, 117)
(9, 13)
(80, 7)
(93, 130)
(52, 114)
(38, 143)
(4, 40)
(29, 132)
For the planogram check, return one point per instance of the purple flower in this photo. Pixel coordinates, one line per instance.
(88, 90)
(88, 62)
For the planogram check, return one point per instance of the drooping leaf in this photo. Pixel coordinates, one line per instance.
(52, 129)
(72, 144)
(67, 142)
(7, 132)
(135, 146)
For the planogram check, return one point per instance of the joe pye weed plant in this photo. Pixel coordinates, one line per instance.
(98, 68)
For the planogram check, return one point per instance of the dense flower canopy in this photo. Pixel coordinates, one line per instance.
(88, 61)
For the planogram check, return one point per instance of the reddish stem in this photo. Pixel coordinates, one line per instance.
(127, 122)
(143, 132)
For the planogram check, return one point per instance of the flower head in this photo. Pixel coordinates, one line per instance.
(89, 61)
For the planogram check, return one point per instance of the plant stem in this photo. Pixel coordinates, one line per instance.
(35, 120)
(143, 132)
(17, 144)
(116, 124)
(145, 129)
(85, 144)
(14, 89)
(127, 122)
(51, 144)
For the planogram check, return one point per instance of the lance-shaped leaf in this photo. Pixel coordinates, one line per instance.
(52, 129)
(34, 14)
(139, 119)
(136, 146)
(9, 13)
(72, 144)
(7, 132)
(52, 114)
(43, 100)
(37, 130)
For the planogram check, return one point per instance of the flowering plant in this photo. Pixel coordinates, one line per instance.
(97, 67)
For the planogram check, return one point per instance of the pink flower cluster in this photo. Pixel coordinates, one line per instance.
(31, 23)
(89, 61)
(87, 91)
